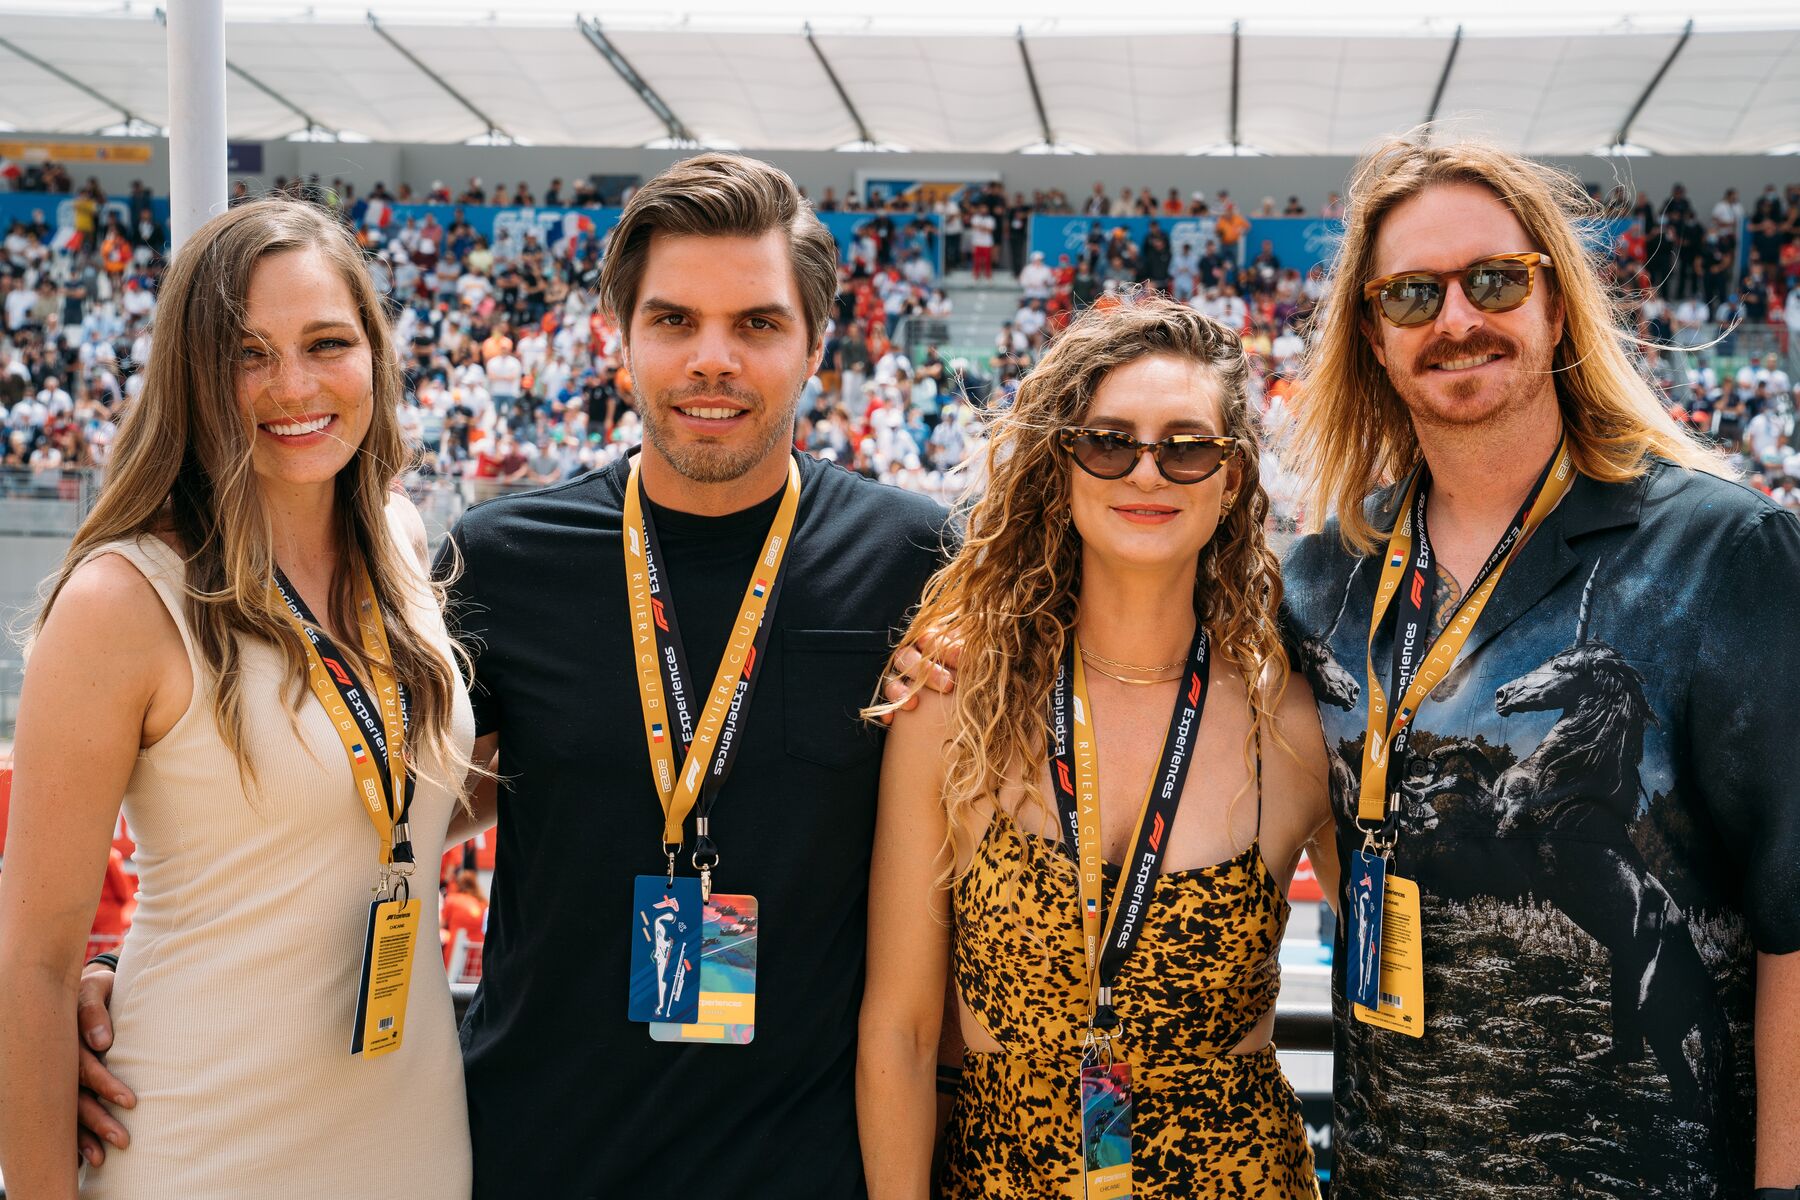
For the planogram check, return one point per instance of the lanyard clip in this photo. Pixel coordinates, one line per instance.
(1097, 1045)
(669, 852)
(705, 857)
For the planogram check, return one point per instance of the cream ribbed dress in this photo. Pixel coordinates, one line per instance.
(236, 988)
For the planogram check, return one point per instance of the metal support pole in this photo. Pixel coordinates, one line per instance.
(1437, 97)
(1620, 138)
(862, 130)
(1237, 50)
(1037, 96)
(196, 116)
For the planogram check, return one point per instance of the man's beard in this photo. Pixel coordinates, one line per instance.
(704, 462)
(1529, 363)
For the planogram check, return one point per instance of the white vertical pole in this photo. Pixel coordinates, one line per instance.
(196, 115)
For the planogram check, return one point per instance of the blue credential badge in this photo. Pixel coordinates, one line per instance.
(1106, 1105)
(1362, 928)
(666, 922)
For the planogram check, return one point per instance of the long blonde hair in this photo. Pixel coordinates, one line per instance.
(1352, 431)
(1012, 592)
(181, 464)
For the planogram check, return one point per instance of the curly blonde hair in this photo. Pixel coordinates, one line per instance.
(1012, 593)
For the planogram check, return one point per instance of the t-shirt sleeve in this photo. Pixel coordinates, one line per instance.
(1740, 737)
(466, 615)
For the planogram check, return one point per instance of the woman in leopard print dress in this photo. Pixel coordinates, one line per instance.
(1084, 548)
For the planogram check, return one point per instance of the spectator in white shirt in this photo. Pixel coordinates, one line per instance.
(1728, 213)
(472, 288)
(504, 375)
(1030, 319)
(1763, 435)
(532, 349)
(53, 399)
(981, 242)
(1036, 279)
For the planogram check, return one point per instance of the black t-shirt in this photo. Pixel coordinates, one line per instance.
(566, 1097)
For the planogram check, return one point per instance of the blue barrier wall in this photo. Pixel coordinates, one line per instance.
(1057, 236)
(910, 229)
(1299, 242)
(59, 208)
(553, 226)
(509, 226)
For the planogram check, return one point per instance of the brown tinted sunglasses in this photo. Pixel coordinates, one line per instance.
(1494, 285)
(1181, 457)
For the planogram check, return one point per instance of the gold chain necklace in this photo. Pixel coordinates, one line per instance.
(1127, 679)
(1125, 666)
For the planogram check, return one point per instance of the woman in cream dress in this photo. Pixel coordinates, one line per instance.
(170, 676)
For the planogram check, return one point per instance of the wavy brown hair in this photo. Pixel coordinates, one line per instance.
(721, 195)
(181, 467)
(1352, 431)
(1012, 593)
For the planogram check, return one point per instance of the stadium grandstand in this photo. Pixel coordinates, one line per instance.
(985, 179)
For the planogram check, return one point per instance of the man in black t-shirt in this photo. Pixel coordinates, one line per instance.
(721, 279)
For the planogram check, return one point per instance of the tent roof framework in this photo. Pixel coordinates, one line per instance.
(1245, 86)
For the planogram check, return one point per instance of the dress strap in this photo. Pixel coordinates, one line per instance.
(1258, 734)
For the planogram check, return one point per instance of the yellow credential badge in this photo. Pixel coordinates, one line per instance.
(1402, 990)
(386, 977)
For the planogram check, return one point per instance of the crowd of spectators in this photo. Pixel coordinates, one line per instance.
(75, 308)
(513, 377)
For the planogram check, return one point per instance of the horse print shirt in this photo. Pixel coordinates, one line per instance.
(1599, 804)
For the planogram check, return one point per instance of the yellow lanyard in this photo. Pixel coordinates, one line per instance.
(1078, 803)
(1087, 805)
(1383, 731)
(679, 795)
(346, 703)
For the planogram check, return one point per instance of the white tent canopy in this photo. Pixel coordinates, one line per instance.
(1679, 88)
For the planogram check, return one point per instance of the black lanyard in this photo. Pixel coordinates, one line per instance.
(363, 710)
(1415, 606)
(671, 657)
(1074, 770)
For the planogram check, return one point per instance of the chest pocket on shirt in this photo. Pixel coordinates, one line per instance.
(829, 675)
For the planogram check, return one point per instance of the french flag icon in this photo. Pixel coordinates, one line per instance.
(358, 753)
(1093, 907)
(656, 733)
(760, 588)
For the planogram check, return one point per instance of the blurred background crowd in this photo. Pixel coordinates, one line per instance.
(514, 378)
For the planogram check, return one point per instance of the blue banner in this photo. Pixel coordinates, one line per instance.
(1305, 242)
(1054, 237)
(1300, 243)
(878, 193)
(506, 229)
(912, 232)
(59, 209)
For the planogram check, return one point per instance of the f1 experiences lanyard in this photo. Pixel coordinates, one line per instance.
(707, 748)
(1076, 782)
(1416, 670)
(368, 739)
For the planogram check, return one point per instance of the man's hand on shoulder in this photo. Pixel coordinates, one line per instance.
(930, 662)
(96, 1126)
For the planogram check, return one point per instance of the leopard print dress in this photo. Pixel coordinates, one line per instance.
(1207, 1123)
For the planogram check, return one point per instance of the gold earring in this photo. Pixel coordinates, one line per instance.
(1225, 502)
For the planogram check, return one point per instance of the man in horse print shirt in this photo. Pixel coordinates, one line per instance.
(1598, 801)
